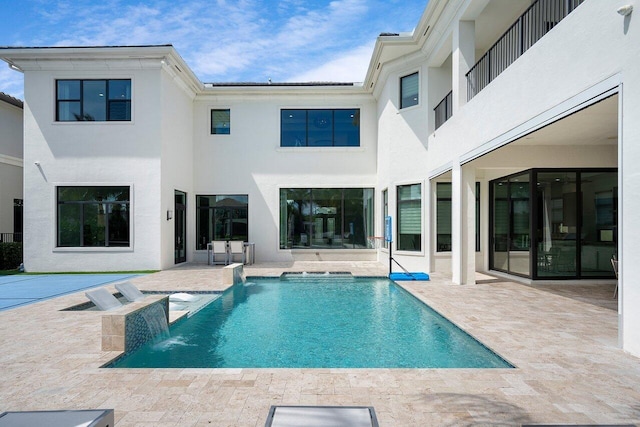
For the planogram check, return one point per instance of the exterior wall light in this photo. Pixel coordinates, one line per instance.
(625, 10)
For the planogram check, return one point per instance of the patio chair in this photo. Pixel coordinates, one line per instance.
(236, 248)
(219, 254)
(614, 264)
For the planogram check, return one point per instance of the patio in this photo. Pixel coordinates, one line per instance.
(562, 340)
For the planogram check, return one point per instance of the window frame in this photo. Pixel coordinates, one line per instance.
(199, 245)
(305, 143)
(106, 247)
(107, 100)
(212, 130)
(417, 100)
(399, 203)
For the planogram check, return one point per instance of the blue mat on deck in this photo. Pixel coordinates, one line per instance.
(408, 276)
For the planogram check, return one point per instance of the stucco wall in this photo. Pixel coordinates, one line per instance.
(250, 160)
(177, 164)
(92, 153)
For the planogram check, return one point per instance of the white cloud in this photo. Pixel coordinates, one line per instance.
(350, 66)
(11, 82)
(231, 40)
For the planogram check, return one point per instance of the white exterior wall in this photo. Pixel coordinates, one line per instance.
(250, 161)
(177, 163)
(402, 153)
(92, 153)
(10, 162)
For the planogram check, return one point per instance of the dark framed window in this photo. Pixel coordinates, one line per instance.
(93, 216)
(385, 214)
(220, 122)
(409, 199)
(320, 128)
(221, 217)
(409, 90)
(326, 218)
(443, 217)
(93, 100)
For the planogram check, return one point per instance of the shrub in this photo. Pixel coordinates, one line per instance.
(10, 255)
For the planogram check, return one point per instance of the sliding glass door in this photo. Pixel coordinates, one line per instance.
(554, 223)
(510, 225)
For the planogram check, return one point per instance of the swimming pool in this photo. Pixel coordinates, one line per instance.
(315, 322)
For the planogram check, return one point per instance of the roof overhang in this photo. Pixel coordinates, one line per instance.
(63, 58)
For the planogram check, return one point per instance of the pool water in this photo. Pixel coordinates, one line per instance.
(331, 322)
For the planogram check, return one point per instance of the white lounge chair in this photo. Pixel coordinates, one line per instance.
(103, 299)
(129, 291)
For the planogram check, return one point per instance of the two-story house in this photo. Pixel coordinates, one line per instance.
(498, 136)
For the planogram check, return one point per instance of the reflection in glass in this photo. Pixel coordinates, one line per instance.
(221, 217)
(93, 216)
(320, 128)
(326, 218)
(520, 217)
(409, 217)
(500, 226)
(599, 226)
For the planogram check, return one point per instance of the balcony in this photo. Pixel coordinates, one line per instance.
(444, 110)
(534, 23)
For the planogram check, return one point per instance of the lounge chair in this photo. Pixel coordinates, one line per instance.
(325, 416)
(129, 291)
(219, 254)
(103, 299)
(236, 249)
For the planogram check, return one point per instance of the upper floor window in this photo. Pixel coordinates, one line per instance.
(93, 100)
(220, 122)
(320, 128)
(409, 89)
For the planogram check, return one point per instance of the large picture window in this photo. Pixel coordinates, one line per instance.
(93, 100)
(320, 128)
(409, 90)
(409, 217)
(326, 218)
(221, 217)
(93, 216)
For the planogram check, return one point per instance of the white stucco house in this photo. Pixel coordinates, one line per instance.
(10, 168)
(500, 135)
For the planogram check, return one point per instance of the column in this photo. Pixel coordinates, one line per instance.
(463, 58)
(463, 224)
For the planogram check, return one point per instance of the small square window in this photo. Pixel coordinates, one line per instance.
(409, 90)
(220, 122)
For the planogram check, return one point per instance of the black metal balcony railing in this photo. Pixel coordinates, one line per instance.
(444, 110)
(10, 237)
(534, 23)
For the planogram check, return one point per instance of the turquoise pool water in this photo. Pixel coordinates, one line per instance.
(315, 323)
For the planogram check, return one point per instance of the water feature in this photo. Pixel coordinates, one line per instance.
(156, 318)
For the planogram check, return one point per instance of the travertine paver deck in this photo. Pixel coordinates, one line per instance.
(569, 369)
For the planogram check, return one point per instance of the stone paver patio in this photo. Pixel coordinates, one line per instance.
(562, 340)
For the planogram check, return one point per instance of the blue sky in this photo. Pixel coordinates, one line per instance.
(221, 40)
